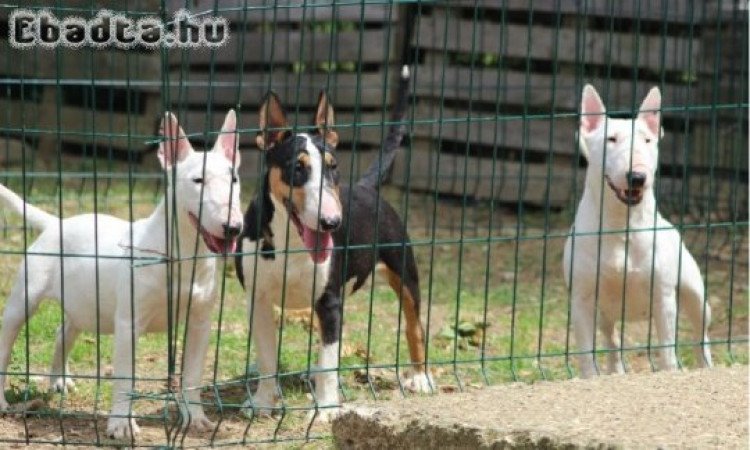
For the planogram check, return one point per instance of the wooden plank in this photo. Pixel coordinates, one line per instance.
(490, 130)
(290, 11)
(720, 200)
(351, 164)
(104, 66)
(51, 121)
(538, 90)
(597, 47)
(294, 46)
(12, 150)
(84, 8)
(346, 90)
(516, 133)
(17, 114)
(724, 146)
(672, 11)
(725, 45)
(370, 126)
(426, 173)
(726, 10)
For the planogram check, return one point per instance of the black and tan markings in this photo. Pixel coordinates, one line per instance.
(367, 220)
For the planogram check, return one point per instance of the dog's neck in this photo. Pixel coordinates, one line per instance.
(280, 223)
(168, 231)
(614, 214)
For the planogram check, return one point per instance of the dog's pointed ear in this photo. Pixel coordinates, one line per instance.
(592, 110)
(325, 121)
(228, 142)
(175, 146)
(271, 115)
(650, 111)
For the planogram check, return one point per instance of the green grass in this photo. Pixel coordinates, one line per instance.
(491, 320)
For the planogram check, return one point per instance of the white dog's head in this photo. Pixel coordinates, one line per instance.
(205, 184)
(623, 151)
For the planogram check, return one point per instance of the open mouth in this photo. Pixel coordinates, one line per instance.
(318, 243)
(215, 244)
(631, 196)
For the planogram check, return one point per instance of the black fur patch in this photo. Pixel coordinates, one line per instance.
(285, 156)
(267, 250)
(257, 225)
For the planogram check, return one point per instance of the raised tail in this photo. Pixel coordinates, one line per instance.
(378, 171)
(34, 216)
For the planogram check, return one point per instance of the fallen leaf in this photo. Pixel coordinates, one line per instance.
(466, 329)
(448, 389)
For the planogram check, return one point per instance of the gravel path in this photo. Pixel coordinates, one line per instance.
(697, 409)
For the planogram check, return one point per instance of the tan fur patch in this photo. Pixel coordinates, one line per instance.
(298, 198)
(414, 330)
(329, 161)
(281, 190)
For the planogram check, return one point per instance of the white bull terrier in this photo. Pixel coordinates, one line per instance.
(200, 213)
(647, 267)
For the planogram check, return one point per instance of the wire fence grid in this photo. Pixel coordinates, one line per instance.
(486, 182)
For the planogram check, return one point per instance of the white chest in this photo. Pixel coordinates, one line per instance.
(290, 279)
(629, 273)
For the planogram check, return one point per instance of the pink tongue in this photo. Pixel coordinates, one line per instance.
(216, 245)
(324, 241)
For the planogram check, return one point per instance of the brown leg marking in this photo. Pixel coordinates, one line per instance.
(414, 331)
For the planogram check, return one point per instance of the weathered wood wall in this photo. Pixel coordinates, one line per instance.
(496, 90)
(499, 84)
(351, 51)
(76, 102)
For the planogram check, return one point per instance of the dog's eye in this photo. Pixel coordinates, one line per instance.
(612, 139)
(299, 167)
(198, 180)
(333, 165)
(648, 140)
(234, 179)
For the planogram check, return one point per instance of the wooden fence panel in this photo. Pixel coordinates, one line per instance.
(350, 50)
(496, 79)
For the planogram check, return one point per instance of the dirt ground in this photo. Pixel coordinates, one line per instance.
(501, 279)
(696, 409)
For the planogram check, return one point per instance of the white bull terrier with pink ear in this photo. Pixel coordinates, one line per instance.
(622, 255)
(199, 214)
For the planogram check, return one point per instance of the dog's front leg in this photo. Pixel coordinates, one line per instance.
(196, 345)
(264, 338)
(328, 310)
(698, 310)
(666, 324)
(582, 316)
(66, 337)
(120, 424)
(612, 342)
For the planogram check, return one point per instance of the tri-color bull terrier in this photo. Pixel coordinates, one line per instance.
(297, 236)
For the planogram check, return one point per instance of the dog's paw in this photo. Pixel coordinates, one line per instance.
(121, 428)
(420, 382)
(257, 407)
(201, 423)
(62, 385)
(324, 414)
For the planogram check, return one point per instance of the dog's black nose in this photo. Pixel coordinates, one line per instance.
(329, 223)
(231, 231)
(636, 179)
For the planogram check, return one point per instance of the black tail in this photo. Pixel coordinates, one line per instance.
(379, 170)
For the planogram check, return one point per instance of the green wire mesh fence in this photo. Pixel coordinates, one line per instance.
(486, 182)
